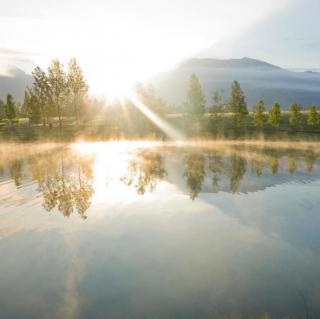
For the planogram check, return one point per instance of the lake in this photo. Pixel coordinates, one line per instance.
(159, 230)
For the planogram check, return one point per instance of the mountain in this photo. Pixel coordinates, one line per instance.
(258, 79)
(13, 80)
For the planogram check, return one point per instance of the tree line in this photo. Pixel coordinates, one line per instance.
(54, 93)
(57, 94)
(66, 179)
(237, 107)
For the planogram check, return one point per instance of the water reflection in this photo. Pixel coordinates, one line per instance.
(145, 170)
(65, 176)
(194, 171)
(189, 231)
(64, 179)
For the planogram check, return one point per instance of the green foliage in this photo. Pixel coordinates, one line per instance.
(58, 86)
(259, 113)
(275, 114)
(30, 105)
(196, 102)
(295, 114)
(10, 108)
(313, 117)
(238, 105)
(39, 96)
(77, 87)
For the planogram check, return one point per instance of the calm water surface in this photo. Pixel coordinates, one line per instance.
(146, 230)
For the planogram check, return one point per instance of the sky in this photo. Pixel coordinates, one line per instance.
(120, 42)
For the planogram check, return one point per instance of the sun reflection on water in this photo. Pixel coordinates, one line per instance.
(111, 163)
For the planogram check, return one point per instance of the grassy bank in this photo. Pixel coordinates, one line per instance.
(207, 126)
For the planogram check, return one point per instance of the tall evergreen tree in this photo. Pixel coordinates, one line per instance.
(238, 105)
(275, 114)
(196, 102)
(259, 113)
(58, 86)
(313, 116)
(295, 114)
(77, 87)
(10, 108)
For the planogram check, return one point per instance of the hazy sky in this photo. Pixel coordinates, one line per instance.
(119, 41)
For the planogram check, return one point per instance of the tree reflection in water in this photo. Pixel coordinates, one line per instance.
(145, 170)
(216, 167)
(65, 176)
(65, 180)
(236, 171)
(194, 171)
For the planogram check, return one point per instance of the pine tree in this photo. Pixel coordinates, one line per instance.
(10, 108)
(196, 102)
(77, 86)
(275, 114)
(313, 117)
(258, 113)
(58, 87)
(238, 105)
(295, 114)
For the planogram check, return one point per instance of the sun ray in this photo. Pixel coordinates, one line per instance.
(170, 131)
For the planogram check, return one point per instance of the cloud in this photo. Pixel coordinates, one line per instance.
(10, 57)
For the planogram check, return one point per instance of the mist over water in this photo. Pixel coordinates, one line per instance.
(167, 230)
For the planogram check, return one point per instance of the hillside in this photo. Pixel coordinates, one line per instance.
(13, 80)
(257, 78)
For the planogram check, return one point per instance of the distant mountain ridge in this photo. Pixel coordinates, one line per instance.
(258, 79)
(14, 81)
(230, 63)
